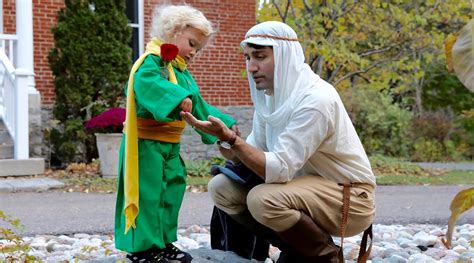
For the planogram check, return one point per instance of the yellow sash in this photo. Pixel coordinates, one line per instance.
(131, 142)
(159, 131)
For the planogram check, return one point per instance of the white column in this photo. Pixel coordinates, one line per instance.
(24, 31)
(22, 142)
(141, 29)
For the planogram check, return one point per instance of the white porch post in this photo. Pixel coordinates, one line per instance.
(22, 142)
(24, 31)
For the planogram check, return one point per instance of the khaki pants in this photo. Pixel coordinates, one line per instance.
(279, 206)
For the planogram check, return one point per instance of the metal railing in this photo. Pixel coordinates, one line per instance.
(14, 97)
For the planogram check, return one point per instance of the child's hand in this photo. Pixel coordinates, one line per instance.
(186, 105)
(235, 128)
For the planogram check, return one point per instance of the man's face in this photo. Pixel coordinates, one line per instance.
(260, 64)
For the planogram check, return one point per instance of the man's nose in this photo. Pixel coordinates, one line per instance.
(252, 67)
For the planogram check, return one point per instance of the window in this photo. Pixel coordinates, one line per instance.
(134, 11)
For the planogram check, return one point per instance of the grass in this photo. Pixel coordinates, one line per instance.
(389, 171)
(446, 178)
(198, 180)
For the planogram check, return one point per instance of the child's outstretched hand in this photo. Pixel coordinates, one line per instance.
(186, 105)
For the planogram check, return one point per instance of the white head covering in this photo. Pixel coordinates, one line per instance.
(292, 76)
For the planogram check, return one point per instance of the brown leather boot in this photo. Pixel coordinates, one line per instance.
(246, 219)
(312, 242)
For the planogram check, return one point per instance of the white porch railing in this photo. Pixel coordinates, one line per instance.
(14, 97)
(8, 43)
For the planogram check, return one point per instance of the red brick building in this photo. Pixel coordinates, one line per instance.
(26, 39)
(218, 70)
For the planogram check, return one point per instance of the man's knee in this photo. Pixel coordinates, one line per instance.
(260, 205)
(217, 187)
(227, 195)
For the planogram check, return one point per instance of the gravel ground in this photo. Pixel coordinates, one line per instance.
(392, 243)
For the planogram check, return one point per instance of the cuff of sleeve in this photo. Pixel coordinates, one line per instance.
(274, 169)
(227, 120)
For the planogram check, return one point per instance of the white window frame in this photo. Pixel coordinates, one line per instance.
(141, 30)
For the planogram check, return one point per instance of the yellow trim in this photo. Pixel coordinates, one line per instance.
(131, 193)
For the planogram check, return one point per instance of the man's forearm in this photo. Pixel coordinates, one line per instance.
(252, 157)
(229, 154)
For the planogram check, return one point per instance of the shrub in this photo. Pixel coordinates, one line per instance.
(440, 136)
(382, 125)
(432, 125)
(90, 61)
(427, 150)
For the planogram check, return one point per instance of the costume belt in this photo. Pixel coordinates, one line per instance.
(159, 131)
(364, 252)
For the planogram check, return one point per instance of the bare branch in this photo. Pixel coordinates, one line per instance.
(293, 12)
(375, 51)
(334, 73)
(307, 7)
(376, 64)
(282, 16)
(351, 74)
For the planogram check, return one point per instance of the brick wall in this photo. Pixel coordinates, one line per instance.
(218, 69)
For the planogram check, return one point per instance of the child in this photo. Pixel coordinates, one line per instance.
(152, 175)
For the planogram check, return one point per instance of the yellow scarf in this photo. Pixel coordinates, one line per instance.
(131, 139)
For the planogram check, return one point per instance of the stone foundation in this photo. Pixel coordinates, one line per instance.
(191, 146)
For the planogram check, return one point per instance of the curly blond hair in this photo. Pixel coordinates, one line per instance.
(168, 20)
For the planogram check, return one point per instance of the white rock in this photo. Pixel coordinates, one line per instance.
(424, 239)
(188, 243)
(459, 249)
(81, 235)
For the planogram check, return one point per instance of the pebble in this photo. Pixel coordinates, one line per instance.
(392, 243)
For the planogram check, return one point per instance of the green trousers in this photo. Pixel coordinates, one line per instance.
(162, 182)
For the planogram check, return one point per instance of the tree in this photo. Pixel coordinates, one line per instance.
(90, 62)
(379, 44)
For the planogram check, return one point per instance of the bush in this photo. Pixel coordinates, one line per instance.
(427, 150)
(439, 136)
(383, 126)
(90, 62)
(432, 125)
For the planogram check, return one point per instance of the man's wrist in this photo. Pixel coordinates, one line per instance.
(227, 144)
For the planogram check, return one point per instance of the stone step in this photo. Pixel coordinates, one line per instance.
(28, 184)
(31, 166)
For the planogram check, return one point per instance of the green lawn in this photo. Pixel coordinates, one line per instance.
(389, 171)
(447, 178)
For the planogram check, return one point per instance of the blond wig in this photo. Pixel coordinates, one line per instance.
(169, 20)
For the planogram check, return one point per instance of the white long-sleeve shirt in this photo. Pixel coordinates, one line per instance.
(319, 139)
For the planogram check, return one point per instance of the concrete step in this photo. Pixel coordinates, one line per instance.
(28, 184)
(11, 167)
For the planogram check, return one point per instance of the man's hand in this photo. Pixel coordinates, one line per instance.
(212, 126)
(186, 105)
(252, 157)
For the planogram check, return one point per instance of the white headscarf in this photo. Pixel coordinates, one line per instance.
(292, 76)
